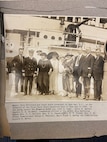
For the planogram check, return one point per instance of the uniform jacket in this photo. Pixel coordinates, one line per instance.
(17, 63)
(98, 68)
(30, 66)
(87, 65)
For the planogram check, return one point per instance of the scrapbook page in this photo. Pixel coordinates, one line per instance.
(55, 68)
(72, 105)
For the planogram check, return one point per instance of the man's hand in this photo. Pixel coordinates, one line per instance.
(23, 74)
(89, 75)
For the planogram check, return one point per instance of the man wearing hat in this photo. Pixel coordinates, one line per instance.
(30, 67)
(98, 74)
(77, 71)
(86, 71)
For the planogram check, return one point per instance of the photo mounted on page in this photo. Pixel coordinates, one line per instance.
(55, 58)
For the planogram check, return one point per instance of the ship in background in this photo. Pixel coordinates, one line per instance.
(53, 33)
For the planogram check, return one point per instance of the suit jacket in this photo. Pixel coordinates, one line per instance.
(98, 68)
(30, 66)
(17, 63)
(87, 65)
(77, 69)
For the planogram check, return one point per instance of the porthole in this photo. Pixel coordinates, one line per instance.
(45, 36)
(53, 37)
(60, 38)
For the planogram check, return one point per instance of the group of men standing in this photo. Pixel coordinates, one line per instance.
(85, 67)
(28, 68)
(25, 70)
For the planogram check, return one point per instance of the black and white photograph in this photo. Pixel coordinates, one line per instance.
(51, 57)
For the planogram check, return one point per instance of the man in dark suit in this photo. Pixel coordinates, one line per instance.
(98, 74)
(86, 71)
(30, 68)
(77, 71)
(17, 63)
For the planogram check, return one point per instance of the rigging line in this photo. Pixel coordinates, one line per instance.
(37, 10)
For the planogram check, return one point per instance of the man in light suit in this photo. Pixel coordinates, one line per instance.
(86, 71)
(98, 74)
(77, 71)
(17, 63)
